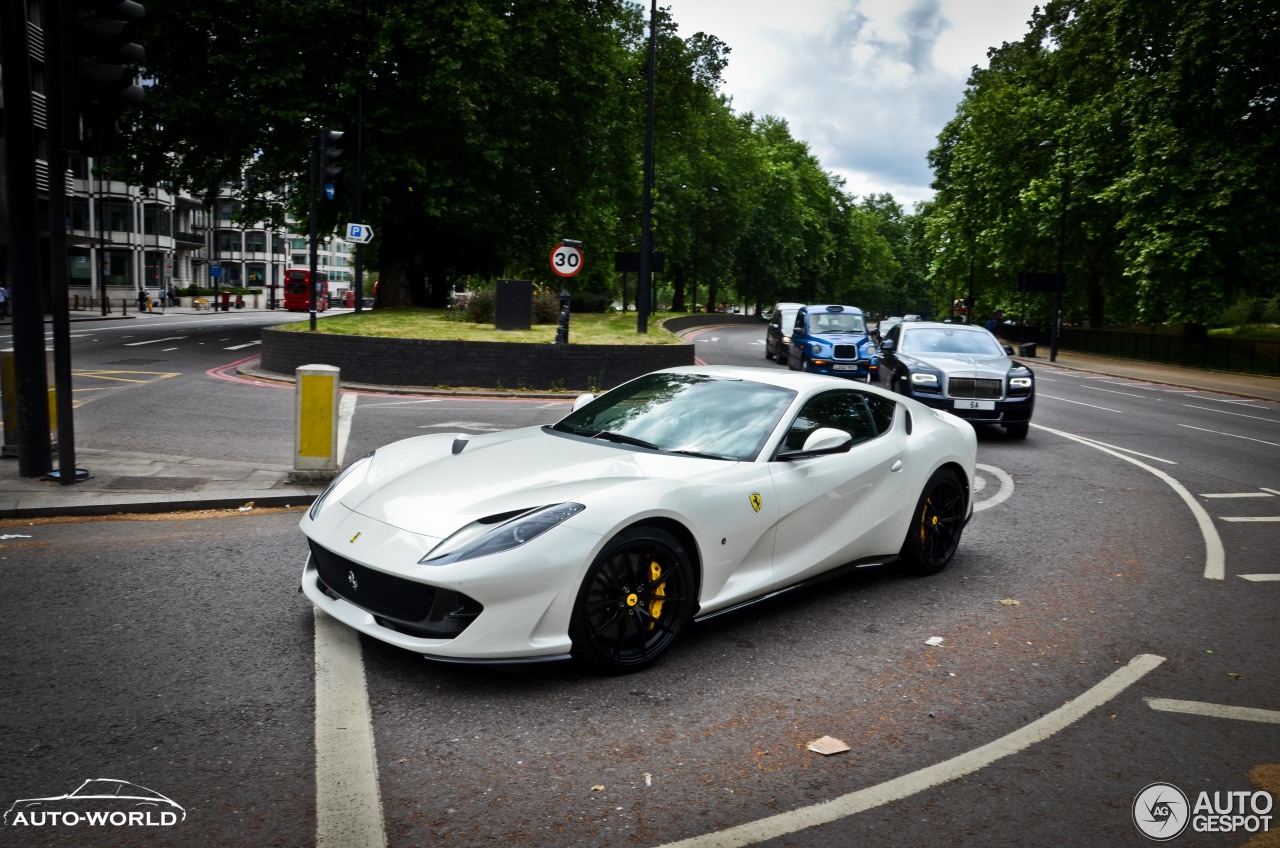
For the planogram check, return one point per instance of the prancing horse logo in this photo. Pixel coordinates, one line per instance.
(756, 501)
(351, 578)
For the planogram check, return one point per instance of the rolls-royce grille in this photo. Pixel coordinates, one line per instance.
(846, 351)
(968, 387)
(376, 591)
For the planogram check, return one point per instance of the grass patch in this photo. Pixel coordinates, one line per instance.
(1249, 332)
(617, 328)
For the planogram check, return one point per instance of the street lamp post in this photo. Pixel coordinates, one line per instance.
(1062, 245)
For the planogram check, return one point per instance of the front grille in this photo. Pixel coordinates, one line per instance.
(846, 351)
(378, 592)
(968, 387)
(398, 604)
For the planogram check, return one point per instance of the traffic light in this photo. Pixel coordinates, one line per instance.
(97, 77)
(329, 154)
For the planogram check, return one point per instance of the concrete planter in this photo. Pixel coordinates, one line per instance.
(486, 365)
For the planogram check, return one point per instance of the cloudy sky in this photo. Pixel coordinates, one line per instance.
(868, 84)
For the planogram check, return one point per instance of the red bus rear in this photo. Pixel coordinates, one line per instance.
(297, 292)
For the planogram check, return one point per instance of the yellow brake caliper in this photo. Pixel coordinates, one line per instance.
(655, 606)
(923, 513)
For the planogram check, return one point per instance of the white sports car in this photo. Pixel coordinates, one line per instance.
(674, 497)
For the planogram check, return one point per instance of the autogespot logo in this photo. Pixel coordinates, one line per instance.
(1160, 811)
(98, 803)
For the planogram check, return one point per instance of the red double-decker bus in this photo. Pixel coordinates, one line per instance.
(297, 291)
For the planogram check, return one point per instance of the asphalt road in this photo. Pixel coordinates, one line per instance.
(178, 655)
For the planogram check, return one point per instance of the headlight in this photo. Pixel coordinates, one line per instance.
(350, 477)
(1020, 382)
(815, 348)
(510, 535)
(921, 379)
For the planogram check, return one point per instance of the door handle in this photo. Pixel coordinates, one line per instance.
(897, 465)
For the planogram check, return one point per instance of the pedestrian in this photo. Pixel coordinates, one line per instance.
(142, 299)
(4, 301)
(173, 296)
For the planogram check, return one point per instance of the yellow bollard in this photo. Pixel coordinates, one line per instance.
(9, 402)
(315, 453)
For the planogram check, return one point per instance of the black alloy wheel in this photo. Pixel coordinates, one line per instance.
(934, 533)
(636, 599)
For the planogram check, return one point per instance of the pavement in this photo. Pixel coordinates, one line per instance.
(128, 482)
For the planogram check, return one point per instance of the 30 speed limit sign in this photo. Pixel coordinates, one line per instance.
(566, 260)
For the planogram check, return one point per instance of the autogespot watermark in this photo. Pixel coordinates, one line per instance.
(100, 802)
(1162, 812)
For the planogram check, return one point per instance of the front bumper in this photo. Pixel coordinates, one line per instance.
(509, 606)
(857, 368)
(1014, 410)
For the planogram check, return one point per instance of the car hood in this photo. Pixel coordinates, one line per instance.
(422, 486)
(967, 365)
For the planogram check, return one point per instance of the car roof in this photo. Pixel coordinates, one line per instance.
(943, 325)
(832, 307)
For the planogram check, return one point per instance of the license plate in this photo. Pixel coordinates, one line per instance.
(975, 404)
(845, 367)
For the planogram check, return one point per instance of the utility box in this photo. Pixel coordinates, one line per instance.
(513, 304)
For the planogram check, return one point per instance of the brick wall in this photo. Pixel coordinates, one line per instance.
(487, 365)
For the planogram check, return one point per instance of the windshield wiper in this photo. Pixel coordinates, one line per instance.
(623, 439)
(699, 454)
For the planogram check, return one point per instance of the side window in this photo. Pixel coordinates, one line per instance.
(896, 335)
(798, 329)
(862, 416)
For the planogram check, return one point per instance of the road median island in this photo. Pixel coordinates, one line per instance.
(406, 348)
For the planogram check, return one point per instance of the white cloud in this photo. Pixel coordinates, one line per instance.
(868, 84)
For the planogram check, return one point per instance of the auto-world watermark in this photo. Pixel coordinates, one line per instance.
(100, 802)
(1162, 811)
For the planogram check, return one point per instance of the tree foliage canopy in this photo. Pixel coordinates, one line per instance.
(489, 130)
(1163, 133)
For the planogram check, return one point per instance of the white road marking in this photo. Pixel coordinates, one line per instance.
(1113, 391)
(1129, 450)
(1249, 403)
(346, 411)
(1272, 491)
(1202, 708)
(1006, 488)
(243, 346)
(1232, 435)
(931, 776)
(1080, 403)
(1261, 578)
(348, 803)
(1253, 518)
(155, 341)
(1214, 555)
(404, 402)
(167, 349)
(1239, 414)
(1240, 495)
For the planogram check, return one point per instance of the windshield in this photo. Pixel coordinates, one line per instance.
(684, 413)
(926, 340)
(836, 322)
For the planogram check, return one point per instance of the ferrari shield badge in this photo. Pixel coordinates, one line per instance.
(756, 501)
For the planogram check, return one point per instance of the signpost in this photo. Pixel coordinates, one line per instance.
(359, 233)
(566, 258)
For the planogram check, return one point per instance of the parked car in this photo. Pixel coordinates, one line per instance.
(674, 497)
(833, 339)
(777, 336)
(963, 369)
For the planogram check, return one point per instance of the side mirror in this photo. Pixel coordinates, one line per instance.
(822, 441)
(886, 344)
(582, 400)
(1008, 350)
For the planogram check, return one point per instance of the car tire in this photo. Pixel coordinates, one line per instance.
(936, 524)
(875, 376)
(1017, 431)
(767, 354)
(636, 599)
